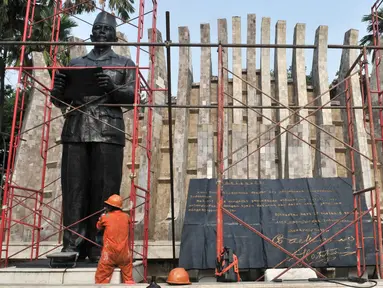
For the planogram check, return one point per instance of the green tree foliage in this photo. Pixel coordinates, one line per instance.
(12, 15)
(42, 31)
(368, 40)
(123, 7)
(9, 100)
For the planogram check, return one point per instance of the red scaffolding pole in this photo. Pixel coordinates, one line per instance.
(25, 80)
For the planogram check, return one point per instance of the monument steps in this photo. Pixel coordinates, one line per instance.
(34, 275)
(202, 285)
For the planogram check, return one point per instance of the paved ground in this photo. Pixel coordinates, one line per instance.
(211, 285)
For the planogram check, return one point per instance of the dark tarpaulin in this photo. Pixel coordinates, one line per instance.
(290, 212)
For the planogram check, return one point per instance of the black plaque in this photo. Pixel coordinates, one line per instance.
(290, 212)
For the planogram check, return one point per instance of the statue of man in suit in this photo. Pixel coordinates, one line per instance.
(93, 140)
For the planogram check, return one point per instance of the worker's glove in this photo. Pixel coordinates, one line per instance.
(101, 216)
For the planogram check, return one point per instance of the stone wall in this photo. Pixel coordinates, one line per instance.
(195, 130)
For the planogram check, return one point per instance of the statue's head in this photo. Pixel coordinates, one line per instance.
(104, 28)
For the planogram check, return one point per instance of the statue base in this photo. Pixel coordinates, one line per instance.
(63, 259)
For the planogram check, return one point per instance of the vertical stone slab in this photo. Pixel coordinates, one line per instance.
(320, 75)
(237, 70)
(160, 73)
(205, 151)
(363, 170)
(122, 50)
(205, 158)
(181, 132)
(222, 37)
(239, 138)
(29, 163)
(324, 166)
(281, 92)
(302, 165)
(239, 129)
(265, 70)
(205, 83)
(157, 123)
(267, 166)
(252, 98)
(76, 51)
(294, 151)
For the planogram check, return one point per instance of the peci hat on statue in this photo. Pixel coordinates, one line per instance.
(106, 19)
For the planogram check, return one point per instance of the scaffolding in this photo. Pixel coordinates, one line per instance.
(358, 68)
(26, 80)
(362, 70)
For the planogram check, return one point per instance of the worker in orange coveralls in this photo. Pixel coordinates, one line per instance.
(115, 251)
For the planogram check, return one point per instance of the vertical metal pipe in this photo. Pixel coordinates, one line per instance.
(133, 188)
(170, 119)
(375, 167)
(350, 132)
(220, 115)
(149, 137)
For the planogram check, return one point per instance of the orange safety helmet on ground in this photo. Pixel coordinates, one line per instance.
(178, 276)
(115, 201)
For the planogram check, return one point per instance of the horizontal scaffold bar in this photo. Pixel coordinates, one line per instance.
(174, 44)
(237, 107)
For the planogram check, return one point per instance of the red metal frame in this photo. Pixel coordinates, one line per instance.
(25, 79)
(11, 199)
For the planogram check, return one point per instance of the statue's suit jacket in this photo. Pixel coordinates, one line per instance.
(81, 127)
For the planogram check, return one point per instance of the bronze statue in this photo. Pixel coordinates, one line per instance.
(92, 156)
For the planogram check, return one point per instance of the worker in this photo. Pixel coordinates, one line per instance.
(115, 251)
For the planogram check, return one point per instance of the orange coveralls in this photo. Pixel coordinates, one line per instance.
(115, 252)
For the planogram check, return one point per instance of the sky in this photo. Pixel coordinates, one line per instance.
(339, 16)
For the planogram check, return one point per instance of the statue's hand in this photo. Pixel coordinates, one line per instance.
(59, 86)
(105, 82)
